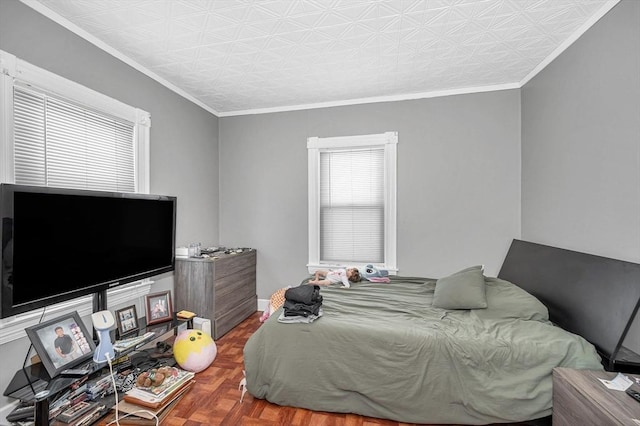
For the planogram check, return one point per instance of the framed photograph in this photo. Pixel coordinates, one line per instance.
(158, 307)
(62, 342)
(127, 319)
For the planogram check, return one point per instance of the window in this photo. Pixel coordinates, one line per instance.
(54, 132)
(352, 201)
(59, 133)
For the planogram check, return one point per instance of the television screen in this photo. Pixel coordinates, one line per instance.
(58, 244)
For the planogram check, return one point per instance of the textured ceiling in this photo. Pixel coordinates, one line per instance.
(240, 56)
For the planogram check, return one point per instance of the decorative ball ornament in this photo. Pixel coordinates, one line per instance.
(194, 350)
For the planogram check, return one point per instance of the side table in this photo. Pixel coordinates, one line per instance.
(580, 399)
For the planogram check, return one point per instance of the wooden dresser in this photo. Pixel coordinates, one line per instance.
(221, 289)
(580, 399)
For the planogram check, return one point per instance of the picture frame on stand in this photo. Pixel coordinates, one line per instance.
(62, 343)
(127, 320)
(158, 307)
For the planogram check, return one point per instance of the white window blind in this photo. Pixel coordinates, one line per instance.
(59, 143)
(352, 201)
(55, 132)
(352, 205)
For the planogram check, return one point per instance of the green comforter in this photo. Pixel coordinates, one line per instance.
(381, 350)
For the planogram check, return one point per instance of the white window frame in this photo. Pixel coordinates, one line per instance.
(315, 146)
(12, 70)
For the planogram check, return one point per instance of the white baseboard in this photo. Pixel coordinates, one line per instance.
(262, 304)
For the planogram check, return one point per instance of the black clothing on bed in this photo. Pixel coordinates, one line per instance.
(305, 293)
(303, 300)
(300, 309)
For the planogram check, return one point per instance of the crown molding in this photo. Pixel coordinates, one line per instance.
(376, 99)
(42, 9)
(570, 40)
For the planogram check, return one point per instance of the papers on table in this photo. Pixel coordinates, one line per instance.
(619, 383)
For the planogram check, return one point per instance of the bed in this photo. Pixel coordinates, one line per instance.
(594, 296)
(383, 350)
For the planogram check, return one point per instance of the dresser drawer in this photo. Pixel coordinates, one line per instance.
(234, 289)
(229, 320)
(234, 263)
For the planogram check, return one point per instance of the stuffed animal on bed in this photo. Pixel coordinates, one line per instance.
(374, 274)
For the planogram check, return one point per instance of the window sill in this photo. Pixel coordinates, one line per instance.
(12, 328)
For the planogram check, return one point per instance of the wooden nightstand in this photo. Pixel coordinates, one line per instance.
(580, 399)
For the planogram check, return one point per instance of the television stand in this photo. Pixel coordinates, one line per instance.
(34, 378)
(99, 304)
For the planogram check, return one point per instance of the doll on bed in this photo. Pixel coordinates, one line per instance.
(335, 276)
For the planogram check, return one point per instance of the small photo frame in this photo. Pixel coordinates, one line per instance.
(158, 307)
(62, 342)
(127, 319)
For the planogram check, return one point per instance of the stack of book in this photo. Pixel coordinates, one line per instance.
(144, 404)
(83, 413)
(130, 342)
(98, 388)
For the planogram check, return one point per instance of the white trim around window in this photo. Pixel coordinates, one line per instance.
(7, 71)
(12, 328)
(16, 71)
(315, 146)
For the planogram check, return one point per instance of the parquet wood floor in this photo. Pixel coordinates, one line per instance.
(215, 398)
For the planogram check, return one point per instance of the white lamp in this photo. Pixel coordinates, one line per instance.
(102, 322)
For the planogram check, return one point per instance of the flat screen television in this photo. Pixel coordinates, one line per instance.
(59, 244)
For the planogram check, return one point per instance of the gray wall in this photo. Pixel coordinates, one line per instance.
(184, 137)
(581, 144)
(458, 158)
(458, 181)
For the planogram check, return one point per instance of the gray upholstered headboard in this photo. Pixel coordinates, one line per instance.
(595, 297)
